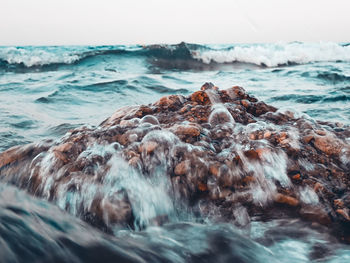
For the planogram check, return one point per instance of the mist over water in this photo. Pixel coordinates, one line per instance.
(46, 91)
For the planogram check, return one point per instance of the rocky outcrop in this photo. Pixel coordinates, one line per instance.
(221, 154)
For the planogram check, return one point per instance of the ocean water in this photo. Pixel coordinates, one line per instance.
(46, 91)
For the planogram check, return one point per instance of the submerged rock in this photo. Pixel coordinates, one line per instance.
(208, 153)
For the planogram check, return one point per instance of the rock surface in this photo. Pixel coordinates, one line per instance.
(221, 152)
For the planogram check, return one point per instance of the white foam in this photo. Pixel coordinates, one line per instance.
(148, 195)
(37, 56)
(220, 115)
(308, 196)
(273, 55)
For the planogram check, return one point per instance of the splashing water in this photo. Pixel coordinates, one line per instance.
(46, 91)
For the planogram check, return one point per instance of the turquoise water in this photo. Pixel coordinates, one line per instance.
(45, 91)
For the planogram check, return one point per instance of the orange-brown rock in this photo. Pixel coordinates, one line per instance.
(202, 187)
(252, 154)
(267, 134)
(285, 199)
(148, 147)
(202, 159)
(296, 177)
(64, 147)
(200, 97)
(308, 138)
(181, 168)
(245, 103)
(327, 145)
(344, 213)
(187, 130)
(338, 203)
(214, 169)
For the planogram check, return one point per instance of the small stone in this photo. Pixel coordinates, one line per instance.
(237, 92)
(289, 114)
(318, 187)
(245, 103)
(321, 132)
(187, 130)
(181, 168)
(148, 147)
(248, 179)
(63, 147)
(267, 134)
(296, 177)
(338, 203)
(327, 145)
(164, 101)
(282, 137)
(214, 169)
(150, 119)
(308, 138)
(252, 154)
(285, 199)
(208, 86)
(145, 110)
(185, 109)
(343, 213)
(61, 156)
(173, 102)
(202, 187)
(200, 97)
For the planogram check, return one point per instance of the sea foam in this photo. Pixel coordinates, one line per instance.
(36, 57)
(273, 55)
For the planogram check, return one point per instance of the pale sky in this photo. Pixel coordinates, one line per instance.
(97, 22)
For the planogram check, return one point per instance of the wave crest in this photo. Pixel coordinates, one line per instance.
(36, 56)
(183, 55)
(273, 55)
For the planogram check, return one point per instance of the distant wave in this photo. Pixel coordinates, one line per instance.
(265, 55)
(44, 56)
(36, 56)
(273, 55)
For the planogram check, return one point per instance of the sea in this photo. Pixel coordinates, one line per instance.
(47, 90)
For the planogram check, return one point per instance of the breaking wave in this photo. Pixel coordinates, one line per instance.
(273, 55)
(265, 55)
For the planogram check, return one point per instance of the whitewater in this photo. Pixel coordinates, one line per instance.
(45, 91)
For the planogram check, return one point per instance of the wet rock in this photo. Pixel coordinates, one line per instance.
(150, 119)
(187, 130)
(288, 200)
(182, 168)
(171, 102)
(143, 111)
(308, 138)
(222, 149)
(148, 147)
(344, 213)
(200, 97)
(327, 145)
(296, 177)
(315, 214)
(209, 86)
(220, 115)
(267, 134)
